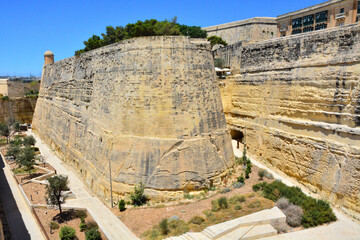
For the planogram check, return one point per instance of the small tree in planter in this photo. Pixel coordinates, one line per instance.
(13, 151)
(57, 184)
(137, 197)
(26, 158)
(29, 141)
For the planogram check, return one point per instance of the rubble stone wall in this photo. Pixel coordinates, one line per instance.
(150, 106)
(299, 100)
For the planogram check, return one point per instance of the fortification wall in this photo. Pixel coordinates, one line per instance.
(150, 106)
(299, 99)
(248, 30)
(22, 109)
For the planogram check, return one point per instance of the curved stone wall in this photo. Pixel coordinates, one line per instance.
(150, 106)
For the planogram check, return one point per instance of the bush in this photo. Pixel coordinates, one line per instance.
(282, 203)
(122, 205)
(316, 212)
(226, 190)
(67, 233)
(29, 141)
(281, 227)
(188, 196)
(91, 224)
(241, 179)
(215, 206)
(247, 172)
(164, 228)
(238, 207)
(54, 225)
(238, 185)
(137, 197)
(261, 173)
(255, 204)
(82, 226)
(237, 198)
(259, 186)
(93, 234)
(81, 214)
(222, 202)
(197, 220)
(269, 175)
(293, 215)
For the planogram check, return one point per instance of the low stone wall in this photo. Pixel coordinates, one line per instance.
(297, 100)
(148, 106)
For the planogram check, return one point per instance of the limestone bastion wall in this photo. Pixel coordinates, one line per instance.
(21, 109)
(299, 100)
(150, 105)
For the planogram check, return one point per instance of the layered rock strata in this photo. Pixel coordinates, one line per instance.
(297, 99)
(149, 106)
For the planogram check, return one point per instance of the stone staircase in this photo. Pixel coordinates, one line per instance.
(253, 226)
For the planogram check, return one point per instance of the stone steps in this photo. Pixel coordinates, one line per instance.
(253, 226)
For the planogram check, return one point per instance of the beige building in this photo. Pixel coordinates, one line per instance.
(248, 30)
(329, 14)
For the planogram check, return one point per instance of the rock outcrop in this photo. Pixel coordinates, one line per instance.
(150, 106)
(299, 100)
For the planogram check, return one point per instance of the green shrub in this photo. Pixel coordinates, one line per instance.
(82, 226)
(188, 196)
(81, 214)
(238, 207)
(238, 185)
(164, 228)
(259, 186)
(91, 224)
(197, 220)
(5, 98)
(137, 197)
(241, 179)
(93, 234)
(222, 202)
(261, 173)
(215, 206)
(316, 212)
(225, 190)
(247, 172)
(237, 199)
(213, 189)
(122, 205)
(54, 225)
(67, 233)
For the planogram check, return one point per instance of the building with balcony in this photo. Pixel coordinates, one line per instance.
(329, 14)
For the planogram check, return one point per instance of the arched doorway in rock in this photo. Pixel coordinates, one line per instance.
(238, 136)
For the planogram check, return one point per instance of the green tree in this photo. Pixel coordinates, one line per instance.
(29, 141)
(216, 40)
(5, 131)
(137, 197)
(57, 184)
(13, 150)
(192, 31)
(26, 158)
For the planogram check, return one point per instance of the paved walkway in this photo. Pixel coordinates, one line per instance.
(112, 227)
(21, 222)
(343, 229)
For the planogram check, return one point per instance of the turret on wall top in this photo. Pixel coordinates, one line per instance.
(48, 57)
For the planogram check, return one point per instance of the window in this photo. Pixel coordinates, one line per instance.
(297, 23)
(308, 20)
(297, 31)
(321, 26)
(342, 10)
(308, 29)
(321, 16)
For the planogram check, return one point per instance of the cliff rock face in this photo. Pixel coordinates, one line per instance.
(150, 106)
(299, 100)
(21, 109)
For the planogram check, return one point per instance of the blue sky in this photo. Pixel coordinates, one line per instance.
(30, 27)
